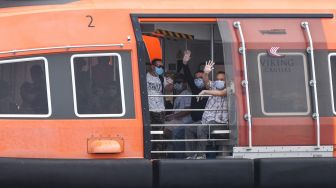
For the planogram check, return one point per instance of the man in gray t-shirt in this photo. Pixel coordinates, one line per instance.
(182, 101)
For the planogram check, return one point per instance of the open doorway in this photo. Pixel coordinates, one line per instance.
(187, 120)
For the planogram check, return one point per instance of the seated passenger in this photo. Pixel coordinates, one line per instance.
(180, 117)
(102, 73)
(34, 95)
(216, 107)
(196, 84)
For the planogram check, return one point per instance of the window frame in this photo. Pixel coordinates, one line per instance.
(306, 84)
(331, 82)
(46, 72)
(122, 90)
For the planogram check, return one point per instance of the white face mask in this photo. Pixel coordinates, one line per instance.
(219, 84)
(199, 83)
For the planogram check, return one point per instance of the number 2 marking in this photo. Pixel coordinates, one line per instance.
(91, 21)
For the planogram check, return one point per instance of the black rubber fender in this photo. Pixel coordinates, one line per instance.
(296, 172)
(223, 173)
(86, 173)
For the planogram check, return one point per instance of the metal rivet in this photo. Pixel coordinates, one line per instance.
(246, 117)
(241, 50)
(315, 115)
(236, 24)
(244, 83)
(309, 50)
(312, 83)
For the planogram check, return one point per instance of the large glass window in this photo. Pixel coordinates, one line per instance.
(24, 88)
(332, 76)
(98, 85)
(284, 84)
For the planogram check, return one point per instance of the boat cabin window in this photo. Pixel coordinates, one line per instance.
(24, 87)
(284, 84)
(332, 76)
(98, 85)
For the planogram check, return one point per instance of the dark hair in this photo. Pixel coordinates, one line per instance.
(153, 62)
(199, 71)
(220, 72)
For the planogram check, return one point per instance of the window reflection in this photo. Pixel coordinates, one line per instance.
(23, 88)
(97, 82)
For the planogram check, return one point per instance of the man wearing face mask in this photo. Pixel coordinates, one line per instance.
(196, 84)
(155, 87)
(216, 107)
(156, 104)
(180, 117)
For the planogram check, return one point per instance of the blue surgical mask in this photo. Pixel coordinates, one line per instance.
(219, 84)
(158, 71)
(178, 86)
(199, 83)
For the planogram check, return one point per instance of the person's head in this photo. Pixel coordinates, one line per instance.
(198, 79)
(180, 83)
(36, 73)
(220, 80)
(157, 67)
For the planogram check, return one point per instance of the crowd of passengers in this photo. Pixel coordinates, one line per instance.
(213, 108)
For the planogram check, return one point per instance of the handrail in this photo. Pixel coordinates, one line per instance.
(219, 151)
(242, 50)
(188, 125)
(180, 95)
(212, 132)
(310, 50)
(62, 47)
(186, 110)
(190, 140)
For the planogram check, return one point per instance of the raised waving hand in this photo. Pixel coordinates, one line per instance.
(186, 56)
(209, 66)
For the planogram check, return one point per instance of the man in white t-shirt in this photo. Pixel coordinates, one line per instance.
(155, 87)
(156, 104)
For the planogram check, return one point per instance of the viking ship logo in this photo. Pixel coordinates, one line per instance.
(273, 51)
